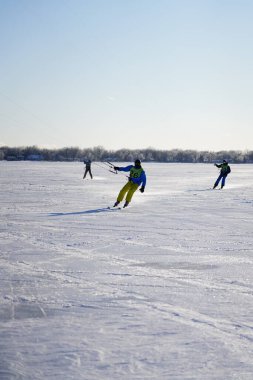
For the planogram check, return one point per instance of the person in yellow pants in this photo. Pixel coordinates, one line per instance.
(137, 177)
(129, 189)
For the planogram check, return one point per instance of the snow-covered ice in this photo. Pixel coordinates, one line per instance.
(160, 290)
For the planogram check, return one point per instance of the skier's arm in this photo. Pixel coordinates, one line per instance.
(125, 169)
(144, 180)
(217, 166)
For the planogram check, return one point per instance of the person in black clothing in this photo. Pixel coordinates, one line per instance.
(87, 169)
(224, 171)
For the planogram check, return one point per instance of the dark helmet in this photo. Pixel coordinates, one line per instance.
(225, 162)
(137, 162)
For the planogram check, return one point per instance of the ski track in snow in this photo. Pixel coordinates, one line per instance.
(160, 290)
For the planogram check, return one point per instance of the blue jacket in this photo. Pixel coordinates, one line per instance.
(137, 175)
(224, 168)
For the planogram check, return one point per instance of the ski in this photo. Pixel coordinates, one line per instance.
(117, 207)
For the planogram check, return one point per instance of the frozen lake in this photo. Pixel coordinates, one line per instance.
(160, 290)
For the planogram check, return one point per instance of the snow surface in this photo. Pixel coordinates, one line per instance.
(160, 290)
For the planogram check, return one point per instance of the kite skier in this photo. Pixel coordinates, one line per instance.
(136, 178)
(87, 168)
(224, 171)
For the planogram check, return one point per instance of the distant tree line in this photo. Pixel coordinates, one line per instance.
(122, 155)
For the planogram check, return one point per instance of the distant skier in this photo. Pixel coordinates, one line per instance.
(137, 177)
(87, 169)
(224, 171)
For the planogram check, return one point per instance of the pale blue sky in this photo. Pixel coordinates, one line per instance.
(127, 73)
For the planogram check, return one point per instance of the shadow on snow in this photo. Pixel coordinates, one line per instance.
(95, 211)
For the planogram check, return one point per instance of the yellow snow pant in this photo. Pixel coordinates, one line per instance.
(130, 189)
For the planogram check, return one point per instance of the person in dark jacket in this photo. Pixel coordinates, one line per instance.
(224, 171)
(137, 178)
(87, 169)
